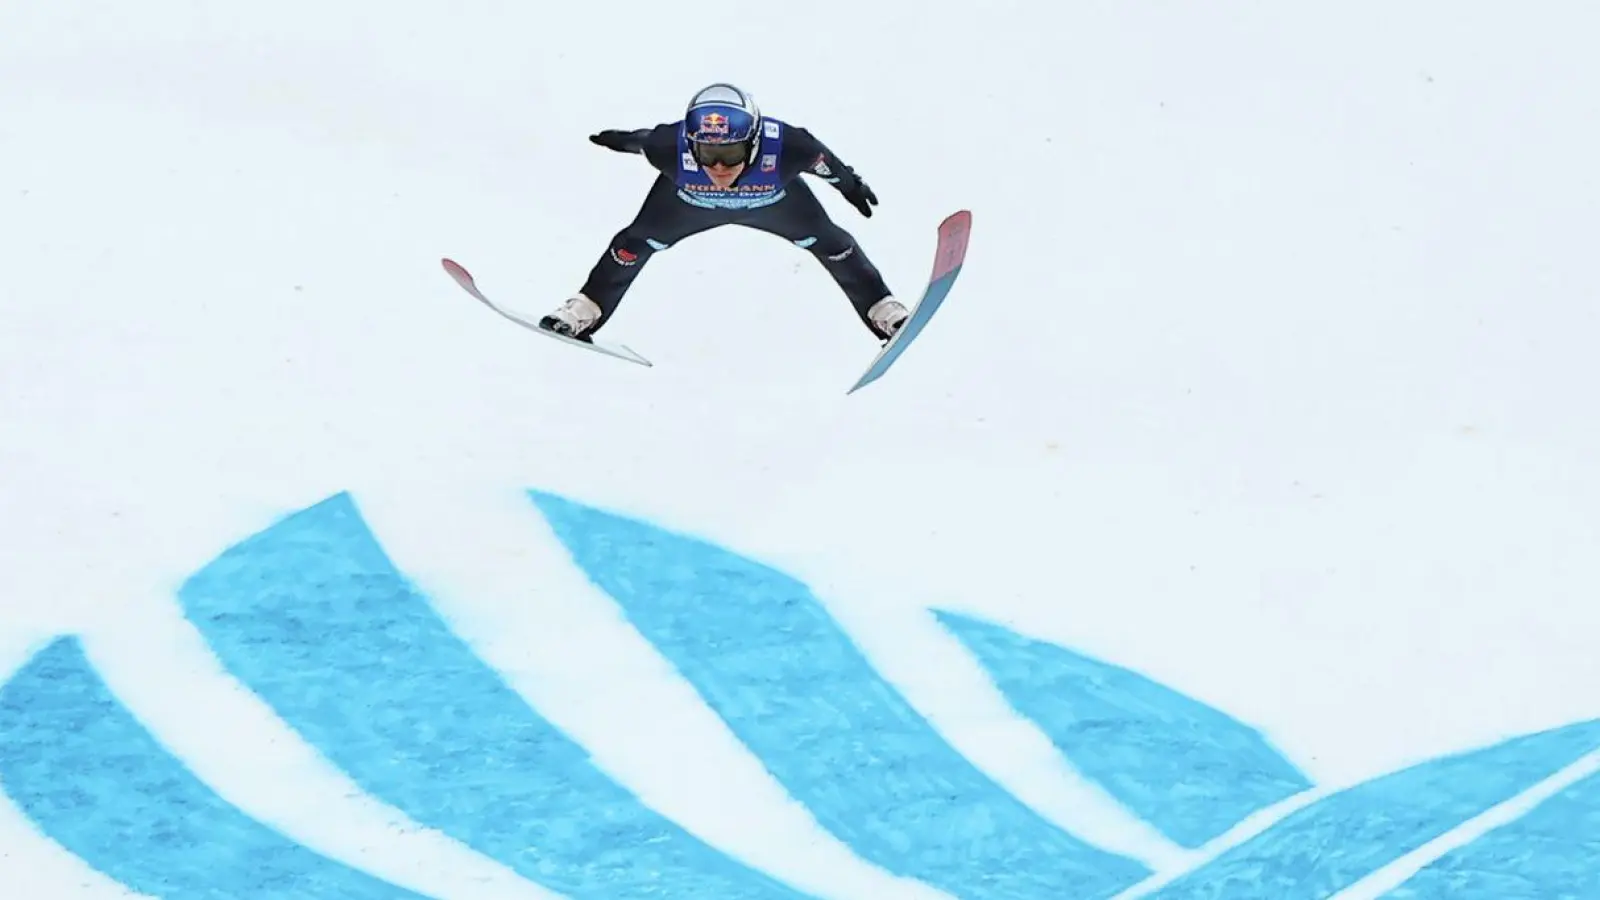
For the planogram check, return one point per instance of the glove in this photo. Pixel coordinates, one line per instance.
(861, 197)
(613, 139)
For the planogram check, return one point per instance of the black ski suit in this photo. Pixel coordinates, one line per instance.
(682, 203)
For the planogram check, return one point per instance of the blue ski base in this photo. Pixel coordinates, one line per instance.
(951, 254)
(908, 332)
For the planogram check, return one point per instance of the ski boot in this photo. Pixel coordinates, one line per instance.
(573, 318)
(887, 315)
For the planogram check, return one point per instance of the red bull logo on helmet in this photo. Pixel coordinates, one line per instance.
(712, 125)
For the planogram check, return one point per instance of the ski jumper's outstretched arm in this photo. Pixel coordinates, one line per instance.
(804, 153)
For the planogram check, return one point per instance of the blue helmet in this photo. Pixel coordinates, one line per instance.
(723, 125)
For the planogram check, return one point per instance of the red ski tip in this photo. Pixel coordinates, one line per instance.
(458, 272)
(953, 234)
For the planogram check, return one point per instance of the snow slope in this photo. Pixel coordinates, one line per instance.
(1251, 460)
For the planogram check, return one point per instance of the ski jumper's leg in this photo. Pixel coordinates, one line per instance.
(662, 220)
(801, 218)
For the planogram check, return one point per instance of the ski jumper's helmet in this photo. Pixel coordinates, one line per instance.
(723, 125)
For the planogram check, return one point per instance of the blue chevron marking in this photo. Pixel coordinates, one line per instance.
(768, 658)
(1340, 839)
(312, 615)
(1551, 853)
(91, 778)
(1191, 771)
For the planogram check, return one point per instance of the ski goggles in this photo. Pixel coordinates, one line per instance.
(721, 154)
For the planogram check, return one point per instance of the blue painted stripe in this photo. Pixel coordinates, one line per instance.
(81, 766)
(1335, 842)
(312, 615)
(768, 658)
(1552, 852)
(1190, 770)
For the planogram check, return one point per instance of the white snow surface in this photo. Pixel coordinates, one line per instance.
(1270, 374)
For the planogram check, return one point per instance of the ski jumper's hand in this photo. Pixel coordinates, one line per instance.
(622, 141)
(861, 197)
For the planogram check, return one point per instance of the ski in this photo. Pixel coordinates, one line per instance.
(468, 284)
(948, 258)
